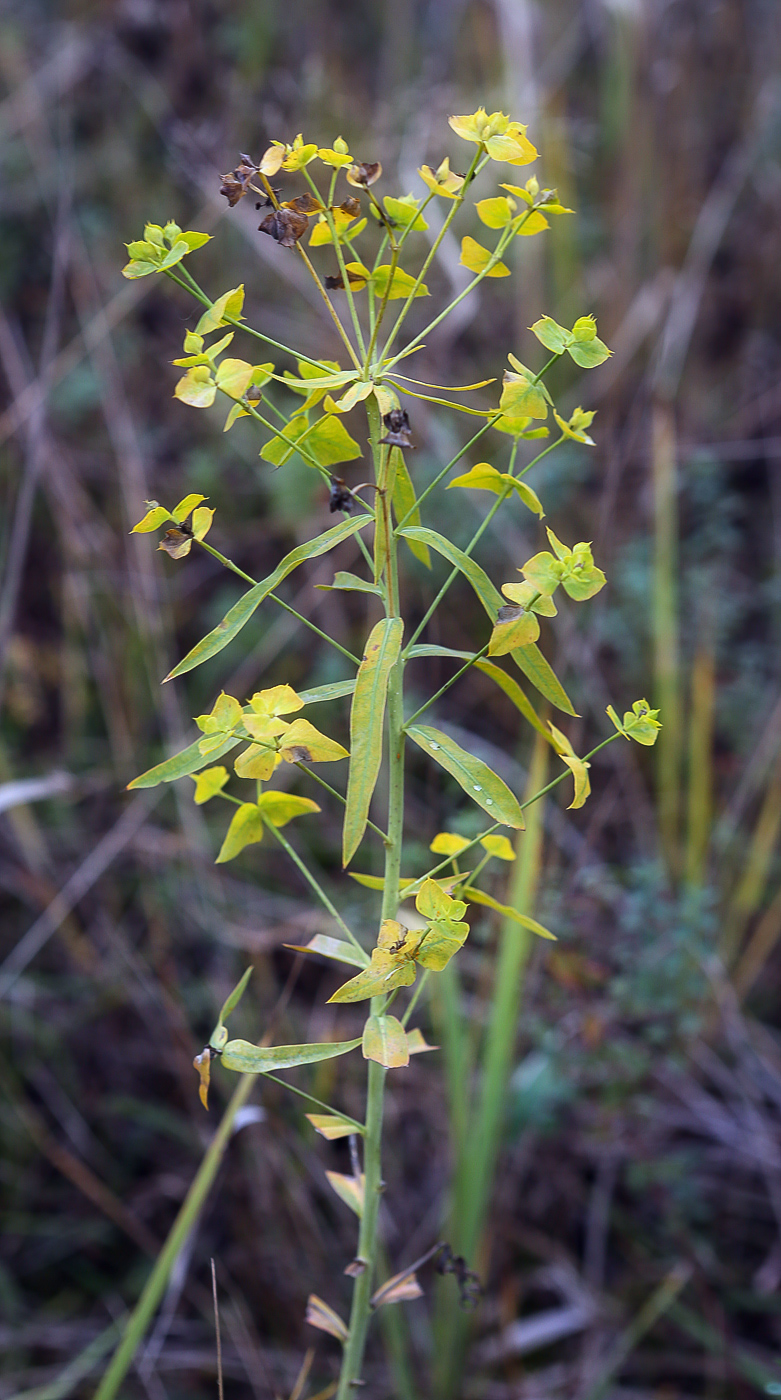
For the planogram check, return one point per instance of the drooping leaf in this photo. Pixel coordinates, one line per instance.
(246, 1058)
(385, 1041)
(476, 258)
(348, 1190)
(246, 829)
(319, 1315)
(401, 1288)
(242, 611)
(366, 728)
(203, 1064)
(476, 896)
(332, 1126)
(181, 765)
(475, 777)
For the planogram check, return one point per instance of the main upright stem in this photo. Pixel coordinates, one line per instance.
(360, 1312)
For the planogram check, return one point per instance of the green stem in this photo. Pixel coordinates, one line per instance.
(331, 309)
(452, 212)
(302, 1094)
(310, 879)
(360, 1311)
(142, 1314)
(451, 464)
(455, 572)
(229, 564)
(191, 286)
(446, 686)
(334, 793)
(339, 256)
(416, 995)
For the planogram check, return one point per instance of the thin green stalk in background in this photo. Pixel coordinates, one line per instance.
(665, 629)
(476, 1163)
(186, 1220)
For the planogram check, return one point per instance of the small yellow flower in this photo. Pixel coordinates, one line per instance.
(501, 138)
(443, 180)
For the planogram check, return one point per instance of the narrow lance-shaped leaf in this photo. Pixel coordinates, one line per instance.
(403, 502)
(475, 896)
(335, 948)
(242, 611)
(366, 728)
(475, 777)
(319, 1315)
(333, 1126)
(489, 596)
(220, 1034)
(181, 765)
(246, 1058)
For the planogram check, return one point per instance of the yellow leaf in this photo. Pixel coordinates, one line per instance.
(303, 743)
(348, 1190)
(446, 843)
(208, 783)
(533, 223)
(498, 846)
(476, 258)
(496, 212)
(385, 1041)
(319, 1315)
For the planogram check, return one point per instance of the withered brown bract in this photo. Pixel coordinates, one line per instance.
(177, 541)
(236, 183)
(397, 427)
(364, 173)
(341, 498)
(351, 206)
(336, 283)
(304, 204)
(285, 226)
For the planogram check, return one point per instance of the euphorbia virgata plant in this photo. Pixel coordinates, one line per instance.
(362, 251)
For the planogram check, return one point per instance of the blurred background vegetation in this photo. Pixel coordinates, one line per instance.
(634, 1248)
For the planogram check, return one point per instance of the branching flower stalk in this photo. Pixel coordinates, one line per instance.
(268, 728)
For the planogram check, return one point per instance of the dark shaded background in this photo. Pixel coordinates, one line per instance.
(643, 1126)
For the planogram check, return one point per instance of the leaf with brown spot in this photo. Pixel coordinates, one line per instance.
(177, 542)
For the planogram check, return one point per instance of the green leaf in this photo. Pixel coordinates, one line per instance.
(350, 583)
(401, 286)
(195, 240)
(279, 808)
(280, 449)
(335, 948)
(475, 777)
(246, 1058)
(404, 500)
(366, 727)
(476, 896)
(589, 355)
(355, 394)
(404, 212)
(476, 258)
(208, 784)
(320, 693)
(229, 304)
(329, 442)
(489, 596)
(484, 477)
(385, 1040)
(531, 661)
(181, 765)
(521, 398)
(246, 829)
(242, 611)
(550, 334)
(333, 1126)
